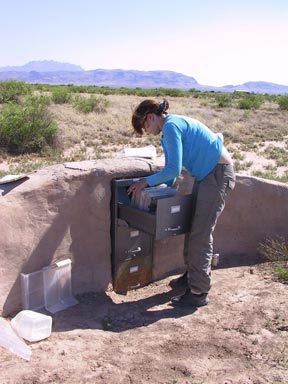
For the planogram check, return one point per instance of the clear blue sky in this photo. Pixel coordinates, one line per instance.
(219, 42)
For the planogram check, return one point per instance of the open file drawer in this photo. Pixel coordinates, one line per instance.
(172, 216)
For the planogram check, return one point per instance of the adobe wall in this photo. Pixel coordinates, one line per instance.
(63, 212)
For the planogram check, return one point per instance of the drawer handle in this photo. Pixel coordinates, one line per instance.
(138, 249)
(173, 229)
(135, 286)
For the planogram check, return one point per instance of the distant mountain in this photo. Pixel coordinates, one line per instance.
(43, 66)
(260, 87)
(52, 72)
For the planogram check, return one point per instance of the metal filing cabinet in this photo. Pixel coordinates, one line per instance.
(133, 232)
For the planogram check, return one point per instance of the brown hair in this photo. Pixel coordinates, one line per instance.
(145, 107)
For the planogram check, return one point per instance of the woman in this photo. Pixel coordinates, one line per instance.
(188, 143)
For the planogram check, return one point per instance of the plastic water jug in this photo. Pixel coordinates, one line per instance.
(31, 325)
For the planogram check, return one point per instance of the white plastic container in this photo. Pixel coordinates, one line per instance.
(57, 286)
(11, 341)
(50, 288)
(32, 326)
(32, 290)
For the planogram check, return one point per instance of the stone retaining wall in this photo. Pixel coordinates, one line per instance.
(63, 212)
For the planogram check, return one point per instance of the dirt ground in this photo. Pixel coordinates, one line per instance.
(241, 337)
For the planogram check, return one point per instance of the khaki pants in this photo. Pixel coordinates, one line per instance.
(209, 204)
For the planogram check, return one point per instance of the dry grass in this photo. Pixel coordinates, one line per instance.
(92, 136)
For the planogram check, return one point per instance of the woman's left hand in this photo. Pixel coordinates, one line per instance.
(136, 188)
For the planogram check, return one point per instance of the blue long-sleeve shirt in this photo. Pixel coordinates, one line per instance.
(187, 142)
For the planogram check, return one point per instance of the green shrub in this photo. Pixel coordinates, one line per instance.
(61, 95)
(11, 90)
(223, 100)
(276, 250)
(280, 155)
(28, 127)
(91, 104)
(250, 102)
(283, 102)
(271, 175)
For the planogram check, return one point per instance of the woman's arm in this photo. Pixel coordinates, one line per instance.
(173, 151)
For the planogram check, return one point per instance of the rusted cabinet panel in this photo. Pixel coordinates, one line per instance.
(132, 259)
(132, 273)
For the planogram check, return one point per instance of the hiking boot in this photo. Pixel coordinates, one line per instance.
(180, 282)
(189, 299)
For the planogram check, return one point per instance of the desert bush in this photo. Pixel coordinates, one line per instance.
(237, 155)
(91, 104)
(28, 127)
(279, 154)
(11, 90)
(250, 102)
(271, 175)
(61, 95)
(276, 250)
(283, 102)
(223, 100)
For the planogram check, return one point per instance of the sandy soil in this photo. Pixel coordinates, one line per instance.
(241, 337)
